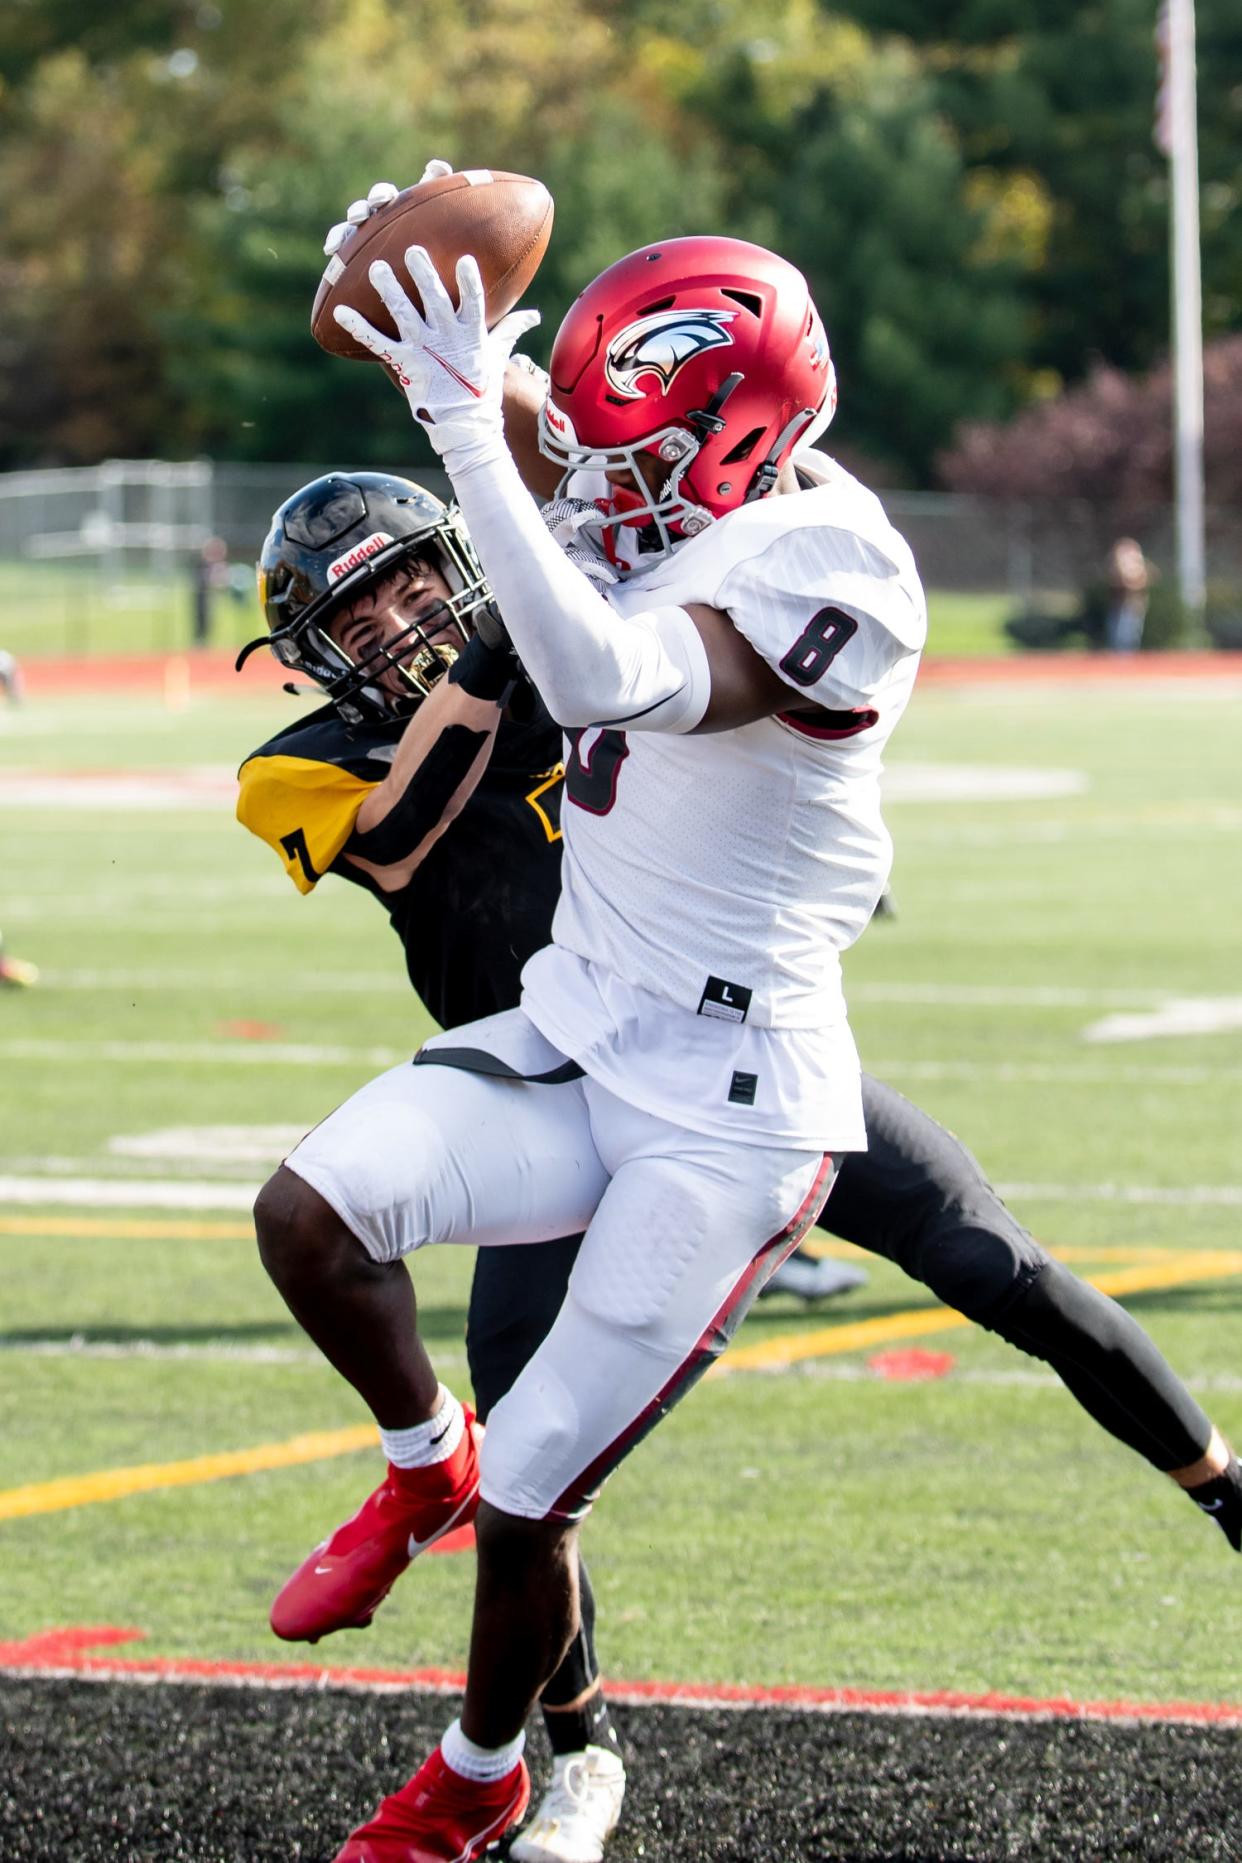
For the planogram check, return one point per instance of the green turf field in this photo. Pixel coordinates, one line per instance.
(819, 1524)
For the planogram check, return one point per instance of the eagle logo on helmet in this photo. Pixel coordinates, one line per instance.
(661, 345)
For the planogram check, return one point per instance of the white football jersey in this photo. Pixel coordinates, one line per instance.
(753, 857)
(725, 873)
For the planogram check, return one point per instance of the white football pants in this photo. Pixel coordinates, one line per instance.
(681, 1233)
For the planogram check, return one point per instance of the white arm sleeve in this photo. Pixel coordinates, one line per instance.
(589, 664)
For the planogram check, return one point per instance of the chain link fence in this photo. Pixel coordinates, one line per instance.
(151, 555)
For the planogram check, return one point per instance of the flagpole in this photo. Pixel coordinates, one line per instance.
(1181, 128)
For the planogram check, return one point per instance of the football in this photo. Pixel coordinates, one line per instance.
(504, 220)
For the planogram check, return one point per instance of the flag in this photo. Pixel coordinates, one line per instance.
(1162, 125)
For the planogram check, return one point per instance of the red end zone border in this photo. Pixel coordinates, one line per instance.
(70, 1653)
(210, 670)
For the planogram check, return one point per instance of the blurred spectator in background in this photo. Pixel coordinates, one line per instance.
(211, 574)
(11, 678)
(1129, 580)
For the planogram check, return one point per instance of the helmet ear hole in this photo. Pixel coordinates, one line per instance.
(744, 448)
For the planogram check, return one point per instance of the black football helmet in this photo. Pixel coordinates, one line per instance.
(329, 542)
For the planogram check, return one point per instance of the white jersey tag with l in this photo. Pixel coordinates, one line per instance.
(725, 1002)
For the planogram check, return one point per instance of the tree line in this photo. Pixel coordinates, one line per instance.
(972, 190)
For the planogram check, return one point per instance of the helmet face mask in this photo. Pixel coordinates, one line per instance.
(339, 538)
(706, 354)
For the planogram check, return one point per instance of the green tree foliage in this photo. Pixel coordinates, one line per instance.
(851, 172)
(1065, 96)
(971, 189)
(1109, 440)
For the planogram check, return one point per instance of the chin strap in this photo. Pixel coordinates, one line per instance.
(769, 470)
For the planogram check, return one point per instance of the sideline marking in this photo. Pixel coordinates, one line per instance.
(113, 1484)
(67, 1652)
(791, 1348)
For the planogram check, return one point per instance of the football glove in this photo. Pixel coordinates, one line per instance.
(449, 363)
(380, 194)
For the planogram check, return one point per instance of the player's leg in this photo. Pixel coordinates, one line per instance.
(683, 1236)
(420, 1155)
(918, 1197)
(514, 1297)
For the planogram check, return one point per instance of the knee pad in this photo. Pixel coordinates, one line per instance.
(528, 1452)
(978, 1268)
(1056, 1315)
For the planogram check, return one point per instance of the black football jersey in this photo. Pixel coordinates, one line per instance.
(482, 900)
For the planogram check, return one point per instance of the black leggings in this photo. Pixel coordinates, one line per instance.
(917, 1197)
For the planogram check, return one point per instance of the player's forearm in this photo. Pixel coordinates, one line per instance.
(435, 770)
(524, 392)
(589, 664)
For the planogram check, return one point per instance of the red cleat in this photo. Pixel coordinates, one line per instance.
(342, 1584)
(439, 1817)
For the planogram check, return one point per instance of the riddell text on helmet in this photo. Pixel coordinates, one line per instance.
(370, 546)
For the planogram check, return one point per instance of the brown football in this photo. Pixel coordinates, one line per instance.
(504, 220)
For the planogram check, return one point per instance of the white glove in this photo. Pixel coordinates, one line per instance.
(449, 363)
(380, 194)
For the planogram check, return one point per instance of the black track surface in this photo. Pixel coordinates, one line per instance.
(206, 1774)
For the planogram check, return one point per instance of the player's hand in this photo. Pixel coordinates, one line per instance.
(379, 194)
(449, 363)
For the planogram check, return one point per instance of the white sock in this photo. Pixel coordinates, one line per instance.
(484, 1764)
(430, 1442)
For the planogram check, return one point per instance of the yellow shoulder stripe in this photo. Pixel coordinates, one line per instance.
(304, 810)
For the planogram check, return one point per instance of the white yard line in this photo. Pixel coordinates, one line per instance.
(980, 782)
(125, 1194)
(209, 1352)
(223, 1352)
(1187, 1015)
(1228, 1196)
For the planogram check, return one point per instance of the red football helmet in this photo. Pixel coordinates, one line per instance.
(707, 353)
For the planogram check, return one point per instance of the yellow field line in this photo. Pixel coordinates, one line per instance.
(112, 1484)
(49, 1497)
(830, 1341)
(138, 1228)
